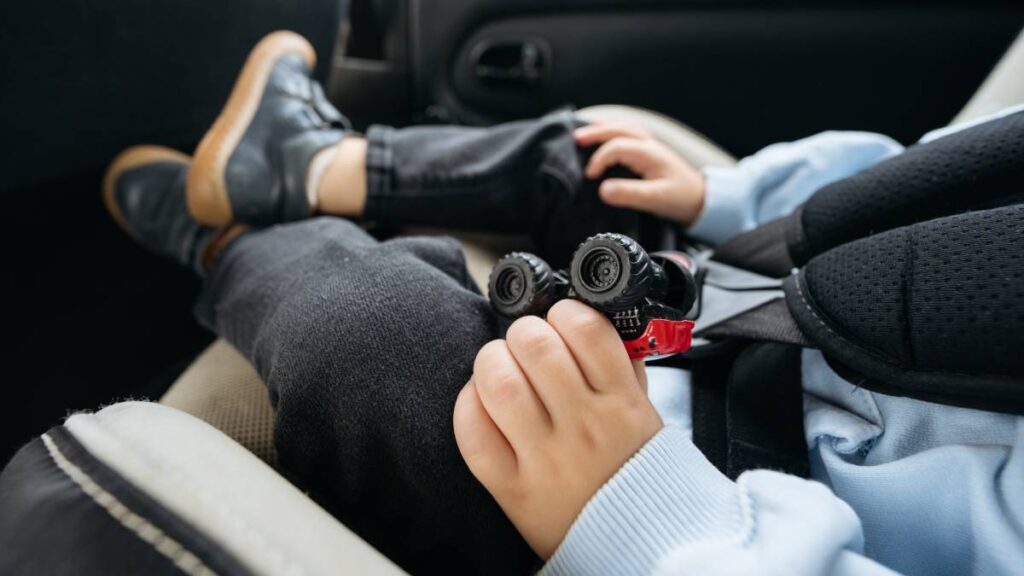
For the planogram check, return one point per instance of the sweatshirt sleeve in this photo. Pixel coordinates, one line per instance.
(774, 181)
(669, 511)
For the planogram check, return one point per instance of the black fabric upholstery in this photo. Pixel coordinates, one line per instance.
(49, 525)
(933, 310)
(980, 167)
(83, 81)
(109, 76)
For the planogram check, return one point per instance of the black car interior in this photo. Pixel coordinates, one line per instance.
(92, 318)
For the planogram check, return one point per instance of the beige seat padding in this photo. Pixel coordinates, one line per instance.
(221, 387)
(1004, 86)
(222, 490)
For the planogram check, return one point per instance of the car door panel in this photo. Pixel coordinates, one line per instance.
(744, 74)
(746, 78)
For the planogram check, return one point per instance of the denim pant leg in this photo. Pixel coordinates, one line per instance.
(364, 346)
(519, 177)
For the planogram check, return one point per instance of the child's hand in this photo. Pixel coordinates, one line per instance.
(670, 188)
(551, 413)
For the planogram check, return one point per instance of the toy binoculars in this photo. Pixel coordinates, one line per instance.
(645, 296)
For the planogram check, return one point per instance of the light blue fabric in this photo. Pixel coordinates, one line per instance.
(772, 182)
(901, 484)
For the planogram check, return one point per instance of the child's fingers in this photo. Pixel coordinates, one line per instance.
(637, 155)
(508, 396)
(604, 131)
(595, 345)
(548, 364)
(484, 448)
(643, 195)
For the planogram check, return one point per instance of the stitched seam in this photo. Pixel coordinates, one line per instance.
(282, 563)
(877, 356)
(170, 548)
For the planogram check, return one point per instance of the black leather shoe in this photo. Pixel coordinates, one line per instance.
(251, 165)
(144, 191)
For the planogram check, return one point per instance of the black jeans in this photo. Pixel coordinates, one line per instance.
(519, 177)
(364, 345)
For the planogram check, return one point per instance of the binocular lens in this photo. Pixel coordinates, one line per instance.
(600, 269)
(509, 286)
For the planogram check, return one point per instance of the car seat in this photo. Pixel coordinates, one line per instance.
(174, 485)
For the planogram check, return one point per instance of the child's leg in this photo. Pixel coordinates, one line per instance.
(279, 145)
(460, 177)
(519, 177)
(364, 347)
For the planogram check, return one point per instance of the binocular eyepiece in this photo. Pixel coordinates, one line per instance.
(613, 274)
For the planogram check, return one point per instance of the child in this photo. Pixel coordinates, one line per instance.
(366, 346)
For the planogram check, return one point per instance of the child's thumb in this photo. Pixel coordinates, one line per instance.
(641, 373)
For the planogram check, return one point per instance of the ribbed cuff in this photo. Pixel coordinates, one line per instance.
(666, 496)
(727, 208)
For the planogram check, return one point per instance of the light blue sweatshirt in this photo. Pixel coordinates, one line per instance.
(898, 484)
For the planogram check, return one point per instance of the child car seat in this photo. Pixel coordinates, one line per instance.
(142, 487)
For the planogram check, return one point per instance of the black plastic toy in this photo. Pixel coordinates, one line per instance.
(646, 297)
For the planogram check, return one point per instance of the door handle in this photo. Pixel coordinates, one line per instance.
(521, 63)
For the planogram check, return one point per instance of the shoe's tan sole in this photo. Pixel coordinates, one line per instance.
(206, 191)
(129, 159)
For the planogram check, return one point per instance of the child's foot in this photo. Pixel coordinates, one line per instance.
(144, 191)
(552, 412)
(251, 166)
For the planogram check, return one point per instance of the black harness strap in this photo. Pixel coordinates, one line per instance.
(748, 410)
(708, 383)
(764, 411)
(762, 250)
(771, 322)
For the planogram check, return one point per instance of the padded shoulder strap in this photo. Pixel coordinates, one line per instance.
(979, 167)
(934, 310)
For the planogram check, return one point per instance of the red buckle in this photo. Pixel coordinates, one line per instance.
(661, 338)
